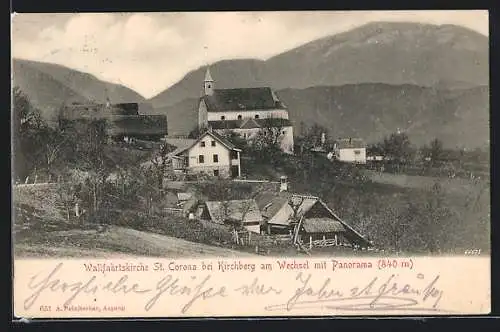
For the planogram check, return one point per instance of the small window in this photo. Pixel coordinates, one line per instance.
(234, 155)
(202, 144)
(201, 159)
(213, 143)
(216, 172)
(216, 158)
(283, 132)
(256, 116)
(239, 116)
(357, 152)
(209, 86)
(223, 117)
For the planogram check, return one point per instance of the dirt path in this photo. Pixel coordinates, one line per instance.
(169, 246)
(120, 242)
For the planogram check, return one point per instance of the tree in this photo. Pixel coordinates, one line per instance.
(89, 156)
(267, 142)
(159, 162)
(311, 137)
(26, 124)
(436, 151)
(397, 147)
(236, 139)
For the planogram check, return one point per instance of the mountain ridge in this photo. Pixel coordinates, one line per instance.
(49, 86)
(377, 52)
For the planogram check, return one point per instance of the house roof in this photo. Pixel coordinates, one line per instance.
(182, 196)
(244, 99)
(222, 140)
(322, 225)
(350, 143)
(249, 123)
(235, 210)
(279, 212)
(179, 142)
(270, 203)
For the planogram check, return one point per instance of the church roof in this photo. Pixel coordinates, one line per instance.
(249, 123)
(244, 99)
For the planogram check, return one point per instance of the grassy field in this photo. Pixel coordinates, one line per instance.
(450, 185)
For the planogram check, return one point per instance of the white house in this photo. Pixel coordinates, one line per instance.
(245, 111)
(210, 154)
(352, 150)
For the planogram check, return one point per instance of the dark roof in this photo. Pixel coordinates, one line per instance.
(279, 213)
(271, 202)
(350, 143)
(322, 225)
(249, 123)
(244, 99)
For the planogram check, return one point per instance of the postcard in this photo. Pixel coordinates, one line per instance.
(250, 164)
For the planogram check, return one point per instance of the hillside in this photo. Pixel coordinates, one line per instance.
(49, 86)
(371, 111)
(393, 53)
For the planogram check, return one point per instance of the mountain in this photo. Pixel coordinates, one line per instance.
(445, 56)
(459, 117)
(49, 86)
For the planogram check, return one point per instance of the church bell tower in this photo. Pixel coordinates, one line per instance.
(208, 84)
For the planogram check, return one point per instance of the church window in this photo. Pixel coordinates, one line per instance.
(239, 116)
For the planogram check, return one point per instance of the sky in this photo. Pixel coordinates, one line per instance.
(149, 52)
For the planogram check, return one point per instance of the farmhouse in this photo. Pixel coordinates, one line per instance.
(308, 219)
(352, 150)
(210, 154)
(123, 119)
(245, 211)
(246, 111)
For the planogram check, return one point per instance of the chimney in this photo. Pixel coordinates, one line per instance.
(283, 183)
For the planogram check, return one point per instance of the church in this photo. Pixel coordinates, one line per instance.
(245, 111)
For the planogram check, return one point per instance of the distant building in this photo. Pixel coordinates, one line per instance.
(245, 211)
(245, 111)
(124, 120)
(351, 150)
(210, 154)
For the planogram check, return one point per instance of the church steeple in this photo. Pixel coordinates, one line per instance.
(208, 83)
